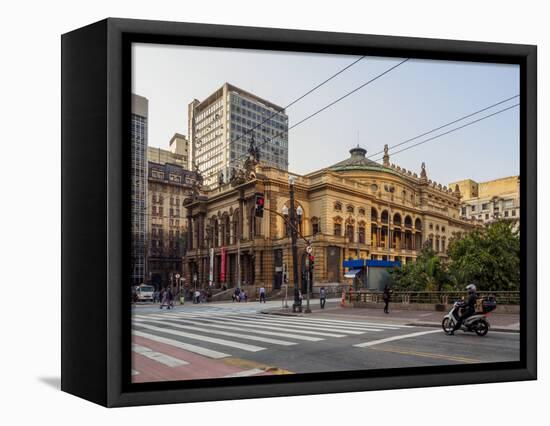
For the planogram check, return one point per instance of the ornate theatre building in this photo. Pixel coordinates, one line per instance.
(356, 208)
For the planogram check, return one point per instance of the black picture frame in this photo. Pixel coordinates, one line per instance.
(95, 211)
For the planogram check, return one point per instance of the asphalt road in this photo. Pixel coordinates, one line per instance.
(237, 339)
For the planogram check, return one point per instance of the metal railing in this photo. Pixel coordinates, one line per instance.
(431, 297)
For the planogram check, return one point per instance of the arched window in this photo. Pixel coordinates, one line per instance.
(235, 226)
(362, 211)
(226, 236)
(350, 231)
(397, 219)
(337, 226)
(408, 222)
(361, 232)
(350, 208)
(385, 216)
(338, 206)
(373, 215)
(418, 224)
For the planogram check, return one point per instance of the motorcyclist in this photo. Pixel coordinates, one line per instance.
(468, 307)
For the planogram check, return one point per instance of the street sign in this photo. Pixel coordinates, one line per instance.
(309, 249)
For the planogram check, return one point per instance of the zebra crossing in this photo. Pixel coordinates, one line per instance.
(223, 333)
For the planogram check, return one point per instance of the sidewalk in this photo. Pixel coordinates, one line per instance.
(499, 322)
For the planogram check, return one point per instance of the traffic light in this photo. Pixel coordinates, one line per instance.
(311, 261)
(259, 202)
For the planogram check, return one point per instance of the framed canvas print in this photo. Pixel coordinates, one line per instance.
(254, 212)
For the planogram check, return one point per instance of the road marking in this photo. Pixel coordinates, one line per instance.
(362, 323)
(186, 346)
(305, 325)
(351, 329)
(214, 324)
(223, 342)
(391, 339)
(257, 324)
(245, 373)
(157, 356)
(222, 333)
(429, 355)
(292, 328)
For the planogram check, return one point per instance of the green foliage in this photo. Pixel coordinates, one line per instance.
(428, 273)
(487, 256)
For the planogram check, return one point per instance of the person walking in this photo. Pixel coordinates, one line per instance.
(170, 298)
(322, 297)
(386, 299)
(262, 294)
(164, 298)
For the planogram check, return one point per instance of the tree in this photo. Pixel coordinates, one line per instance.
(427, 273)
(488, 257)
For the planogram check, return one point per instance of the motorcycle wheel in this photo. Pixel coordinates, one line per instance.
(482, 327)
(447, 325)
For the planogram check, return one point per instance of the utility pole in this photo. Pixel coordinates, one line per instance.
(293, 237)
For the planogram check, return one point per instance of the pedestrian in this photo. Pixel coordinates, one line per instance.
(241, 296)
(170, 298)
(262, 294)
(236, 294)
(164, 296)
(196, 297)
(322, 297)
(386, 299)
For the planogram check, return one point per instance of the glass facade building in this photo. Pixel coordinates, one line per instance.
(221, 128)
(138, 169)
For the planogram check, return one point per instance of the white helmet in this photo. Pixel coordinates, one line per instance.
(471, 288)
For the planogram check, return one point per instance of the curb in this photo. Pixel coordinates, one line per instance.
(435, 325)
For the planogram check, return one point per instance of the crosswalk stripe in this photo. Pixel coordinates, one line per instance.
(391, 339)
(223, 342)
(222, 333)
(225, 320)
(217, 324)
(298, 325)
(167, 360)
(318, 321)
(367, 323)
(335, 323)
(181, 345)
(329, 327)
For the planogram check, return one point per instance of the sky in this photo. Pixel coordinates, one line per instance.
(412, 99)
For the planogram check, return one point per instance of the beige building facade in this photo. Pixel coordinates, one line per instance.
(490, 201)
(168, 186)
(177, 153)
(356, 208)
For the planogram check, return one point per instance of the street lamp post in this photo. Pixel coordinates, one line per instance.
(292, 213)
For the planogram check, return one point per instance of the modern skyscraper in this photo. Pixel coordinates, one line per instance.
(220, 132)
(138, 170)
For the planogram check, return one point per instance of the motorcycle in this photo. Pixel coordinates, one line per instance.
(476, 323)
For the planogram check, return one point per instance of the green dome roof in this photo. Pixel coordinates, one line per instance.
(358, 161)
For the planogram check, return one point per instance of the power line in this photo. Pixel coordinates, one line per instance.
(248, 131)
(327, 106)
(452, 130)
(446, 125)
